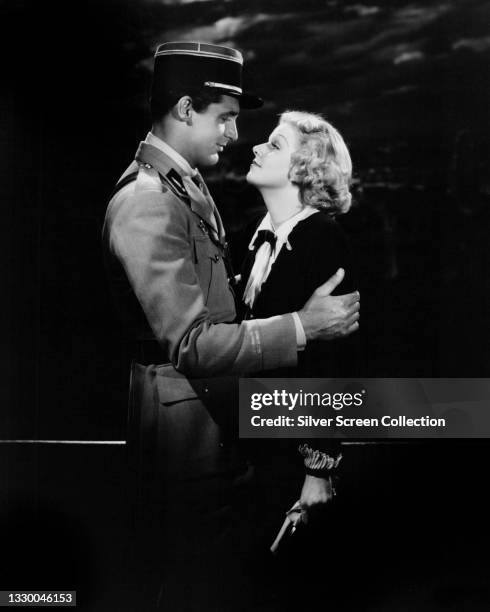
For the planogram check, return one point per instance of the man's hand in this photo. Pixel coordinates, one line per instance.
(316, 493)
(325, 316)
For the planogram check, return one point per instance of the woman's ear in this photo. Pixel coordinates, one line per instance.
(183, 109)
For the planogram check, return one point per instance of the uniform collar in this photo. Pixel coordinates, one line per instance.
(200, 202)
(170, 152)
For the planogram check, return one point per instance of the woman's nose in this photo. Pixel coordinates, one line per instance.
(257, 150)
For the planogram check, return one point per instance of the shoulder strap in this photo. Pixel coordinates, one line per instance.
(171, 181)
(123, 182)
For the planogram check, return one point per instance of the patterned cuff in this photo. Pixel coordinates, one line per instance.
(317, 462)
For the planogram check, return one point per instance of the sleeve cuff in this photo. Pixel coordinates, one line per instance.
(277, 342)
(300, 332)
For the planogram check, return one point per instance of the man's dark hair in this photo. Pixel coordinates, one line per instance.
(162, 103)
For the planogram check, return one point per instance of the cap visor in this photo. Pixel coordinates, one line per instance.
(250, 101)
(247, 100)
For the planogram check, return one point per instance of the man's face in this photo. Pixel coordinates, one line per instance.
(212, 130)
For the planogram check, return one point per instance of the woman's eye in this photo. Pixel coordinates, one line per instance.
(274, 145)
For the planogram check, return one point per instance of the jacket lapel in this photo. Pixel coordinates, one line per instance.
(201, 204)
(219, 224)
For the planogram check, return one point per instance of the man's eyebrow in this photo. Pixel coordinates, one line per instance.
(230, 114)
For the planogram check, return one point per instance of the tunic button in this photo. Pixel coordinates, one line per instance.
(206, 390)
(216, 258)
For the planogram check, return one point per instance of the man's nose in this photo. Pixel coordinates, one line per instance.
(231, 131)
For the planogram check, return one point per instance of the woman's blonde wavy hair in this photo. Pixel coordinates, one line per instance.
(321, 167)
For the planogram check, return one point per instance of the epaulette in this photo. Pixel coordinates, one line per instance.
(148, 179)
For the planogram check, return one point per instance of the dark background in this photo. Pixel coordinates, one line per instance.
(407, 84)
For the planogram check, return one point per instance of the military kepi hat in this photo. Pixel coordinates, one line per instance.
(181, 65)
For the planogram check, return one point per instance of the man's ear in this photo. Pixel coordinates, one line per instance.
(183, 109)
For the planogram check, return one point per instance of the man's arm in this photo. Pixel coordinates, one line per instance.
(150, 232)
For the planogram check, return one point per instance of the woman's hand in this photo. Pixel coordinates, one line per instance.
(315, 495)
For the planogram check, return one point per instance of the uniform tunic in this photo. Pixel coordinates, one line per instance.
(163, 242)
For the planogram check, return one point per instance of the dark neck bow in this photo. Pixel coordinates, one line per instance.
(264, 236)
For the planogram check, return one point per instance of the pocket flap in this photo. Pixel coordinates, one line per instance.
(173, 386)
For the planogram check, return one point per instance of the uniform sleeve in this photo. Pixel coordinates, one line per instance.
(150, 233)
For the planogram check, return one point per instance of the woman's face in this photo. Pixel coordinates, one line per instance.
(270, 167)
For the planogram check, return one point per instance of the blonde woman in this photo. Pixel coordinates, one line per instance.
(303, 173)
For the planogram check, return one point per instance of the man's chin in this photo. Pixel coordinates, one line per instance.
(210, 160)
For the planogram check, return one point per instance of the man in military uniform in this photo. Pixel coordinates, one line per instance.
(166, 255)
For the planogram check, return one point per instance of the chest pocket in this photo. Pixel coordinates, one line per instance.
(209, 264)
(211, 271)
